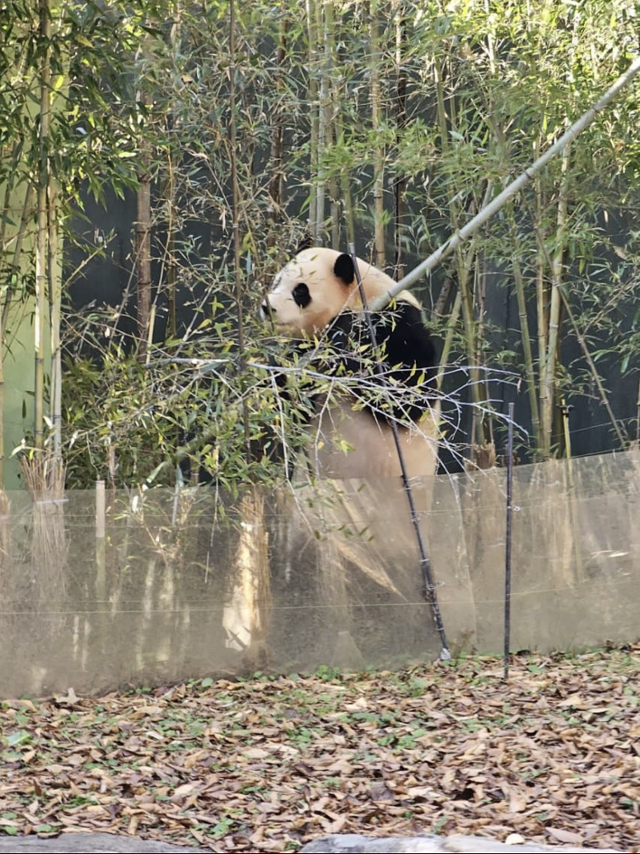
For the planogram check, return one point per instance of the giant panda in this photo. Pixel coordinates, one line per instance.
(315, 298)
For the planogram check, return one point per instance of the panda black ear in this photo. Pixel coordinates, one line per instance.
(306, 242)
(343, 268)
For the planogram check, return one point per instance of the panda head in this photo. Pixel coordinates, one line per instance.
(318, 284)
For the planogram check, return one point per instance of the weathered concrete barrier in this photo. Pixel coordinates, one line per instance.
(353, 844)
(107, 843)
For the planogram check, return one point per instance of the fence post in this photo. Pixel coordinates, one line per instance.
(507, 567)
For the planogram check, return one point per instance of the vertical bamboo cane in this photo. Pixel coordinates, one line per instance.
(235, 218)
(524, 333)
(143, 241)
(464, 263)
(330, 114)
(338, 124)
(310, 7)
(53, 274)
(5, 308)
(553, 342)
(42, 224)
(323, 130)
(376, 123)
(401, 121)
(276, 180)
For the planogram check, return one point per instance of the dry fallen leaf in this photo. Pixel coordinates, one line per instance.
(565, 836)
(266, 765)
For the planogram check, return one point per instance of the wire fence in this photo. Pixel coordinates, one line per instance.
(135, 588)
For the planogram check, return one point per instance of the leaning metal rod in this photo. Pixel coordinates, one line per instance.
(425, 563)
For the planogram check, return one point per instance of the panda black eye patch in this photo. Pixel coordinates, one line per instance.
(301, 295)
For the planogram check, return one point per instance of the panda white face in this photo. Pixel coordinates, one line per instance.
(310, 292)
(316, 286)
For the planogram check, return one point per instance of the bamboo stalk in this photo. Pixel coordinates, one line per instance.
(448, 341)
(330, 115)
(322, 126)
(583, 346)
(276, 180)
(376, 124)
(510, 190)
(8, 276)
(235, 219)
(524, 332)
(336, 94)
(541, 311)
(464, 264)
(171, 252)
(9, 188)
(553, 341)
(399, 188)
(593, 369)
(315, 121)
(53, 275)
(171, 328)
(42, 223)
(2, 382)
(143, 241)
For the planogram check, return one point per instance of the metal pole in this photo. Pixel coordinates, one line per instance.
(507, 568)
(425, 563)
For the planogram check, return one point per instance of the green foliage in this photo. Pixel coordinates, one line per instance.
(487, 86)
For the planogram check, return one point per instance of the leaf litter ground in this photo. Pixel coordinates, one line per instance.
(266, 764)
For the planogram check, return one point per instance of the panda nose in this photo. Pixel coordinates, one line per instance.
(265, 309)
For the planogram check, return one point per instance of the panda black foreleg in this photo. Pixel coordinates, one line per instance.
(405, 361)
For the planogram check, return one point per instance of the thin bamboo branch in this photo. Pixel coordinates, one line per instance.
(514, 187)
(593, 369)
